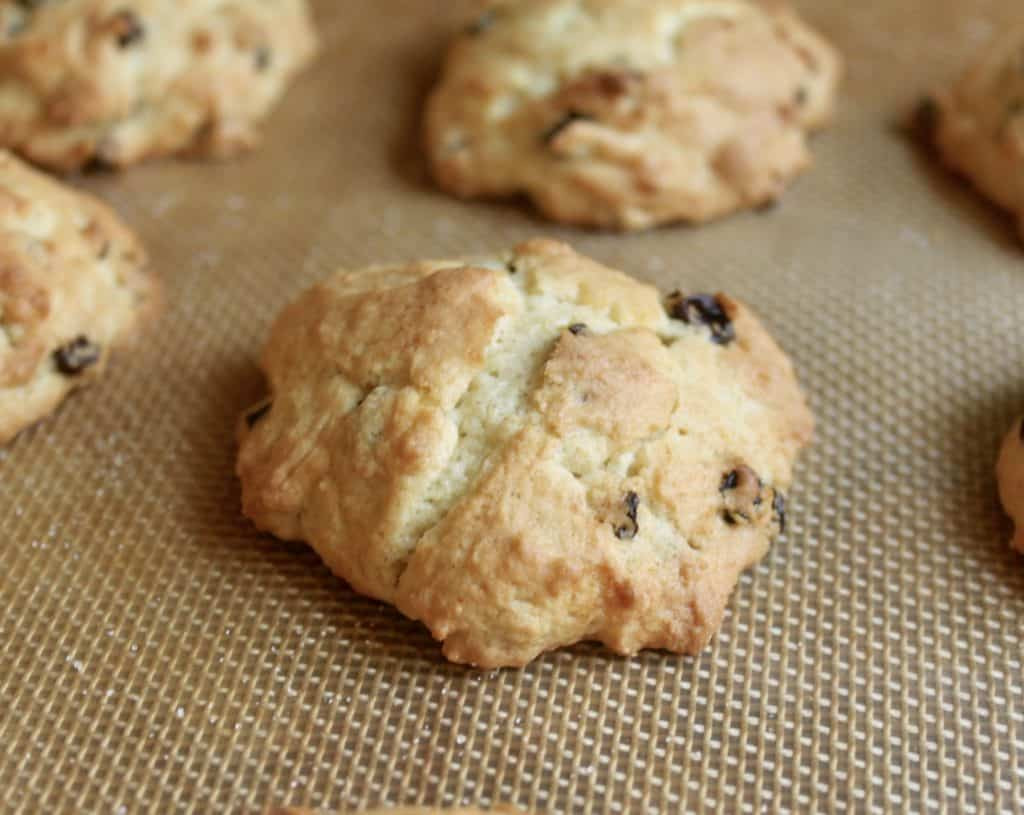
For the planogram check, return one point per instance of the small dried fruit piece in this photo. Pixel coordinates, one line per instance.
(703, 309)
(628, 530)
(128, 29)
(76, 356)
(742, 491)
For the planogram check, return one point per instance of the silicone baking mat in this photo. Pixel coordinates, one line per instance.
(157, 655)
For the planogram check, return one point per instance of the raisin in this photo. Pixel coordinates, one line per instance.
(128, 29)
(483, 23)
(741, 488)
(1022, 430)
(801, 96)
(567, 120)
(628, 530)
(703, 309)
(578, 328)
(76, 356)
(262, 58)
(98, 164)
(779, 508)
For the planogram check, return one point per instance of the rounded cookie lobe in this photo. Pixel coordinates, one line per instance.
(119, 82)
(978, 123)
(1010, 475)
(526, 451)
(630, 113)
(364, 381)
(71, 287)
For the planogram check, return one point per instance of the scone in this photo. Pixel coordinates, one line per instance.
(118, 81)
(979, 123)
(626, 114)
(526, 450)
(71, 286)
(1010, 475)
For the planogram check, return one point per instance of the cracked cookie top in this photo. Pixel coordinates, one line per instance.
(118, 81)
(526, 450)
(630, 113)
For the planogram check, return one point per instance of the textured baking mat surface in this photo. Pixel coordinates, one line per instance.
(159, 655)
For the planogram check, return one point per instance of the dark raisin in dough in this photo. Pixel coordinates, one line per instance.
(129, 28)
(628, 530)
(741, 490)
(703, 309)
(76, 356)
(578, 328)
